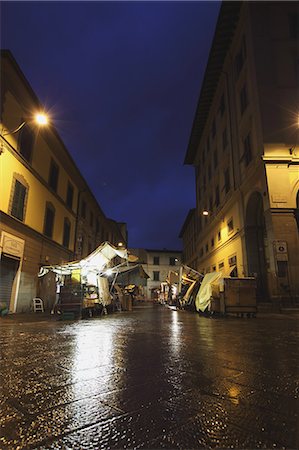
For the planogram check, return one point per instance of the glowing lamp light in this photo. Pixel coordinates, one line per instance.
(120, 244)
(205, 213)
(41, 119)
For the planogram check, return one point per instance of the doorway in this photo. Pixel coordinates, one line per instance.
(8, 270)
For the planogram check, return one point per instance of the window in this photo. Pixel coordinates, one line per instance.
(49, 220)
(217, 196)
(240, 58)
(156, 260)
(213, 128)
(26, 141)
(18, 202)
(219, 235)
(213, 268)
(207, 247)
(226, 181)
(243, 99)
(230, 225)
(172, 261)
(224, 139)
(222, 105)
(69, 195)
(221, 265)
(83, 209)
(232, 261)
(53, 175)
(247, 155)
(66, 232)
(212, 243)
(156, 275)
(215, 158)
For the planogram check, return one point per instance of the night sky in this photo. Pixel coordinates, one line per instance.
(121, 82)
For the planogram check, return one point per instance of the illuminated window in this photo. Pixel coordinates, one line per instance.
(66, 232)
(26, 141)
(69, 195)
(156, 275)
(53, 175)
(18, 201)
(49, 220)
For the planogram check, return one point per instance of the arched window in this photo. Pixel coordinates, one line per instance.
(26, 141)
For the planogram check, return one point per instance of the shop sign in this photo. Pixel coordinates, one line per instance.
(12, 245)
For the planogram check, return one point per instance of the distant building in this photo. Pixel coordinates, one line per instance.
(48, 213)
(244, 147)
(157, 264)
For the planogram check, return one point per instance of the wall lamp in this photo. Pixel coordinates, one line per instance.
(40, 119)
(205, 212)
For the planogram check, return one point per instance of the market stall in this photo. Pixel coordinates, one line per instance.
(83, 286)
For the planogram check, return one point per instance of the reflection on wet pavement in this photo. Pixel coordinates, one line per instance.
(152, 378)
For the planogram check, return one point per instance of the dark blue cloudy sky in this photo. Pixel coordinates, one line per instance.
(121, 81)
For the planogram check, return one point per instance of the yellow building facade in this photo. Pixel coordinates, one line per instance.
(244, 147)
(48, 214)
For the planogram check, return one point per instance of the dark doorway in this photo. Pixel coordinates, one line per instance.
(8, 269)
(255, 233)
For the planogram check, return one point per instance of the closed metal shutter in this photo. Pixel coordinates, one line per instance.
(8, 269)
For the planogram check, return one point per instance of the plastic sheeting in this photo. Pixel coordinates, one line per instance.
(204, 294)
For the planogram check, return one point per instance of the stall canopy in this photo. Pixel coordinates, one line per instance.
(96, 262)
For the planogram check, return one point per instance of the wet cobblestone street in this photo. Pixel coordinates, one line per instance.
(152, 378)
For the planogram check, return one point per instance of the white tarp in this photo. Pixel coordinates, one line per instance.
(204, 294)
(97, 261)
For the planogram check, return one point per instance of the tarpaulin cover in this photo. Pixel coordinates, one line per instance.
(95, 261)
(204, 294)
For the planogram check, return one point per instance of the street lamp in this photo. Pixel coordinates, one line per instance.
(40, 119)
